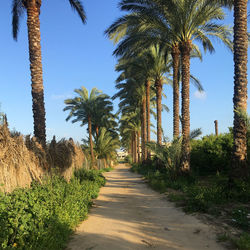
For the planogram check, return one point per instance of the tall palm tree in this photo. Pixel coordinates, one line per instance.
(32, 7)
(198, 26)
(133, 74)
(83, 109)
(143, 29)
(170, 19)
(133, 126)
(160, 65)
(239, 155)
(239, 159)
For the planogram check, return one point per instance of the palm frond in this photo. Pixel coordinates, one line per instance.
(78, 7)
(17, 12)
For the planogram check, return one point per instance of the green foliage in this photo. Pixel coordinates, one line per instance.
(169, 155)
(105, 145)
(106, 169)
(43, 216)
(201, 198)
(128, 159)
(176, 197)
(241, 218)
(198, 194)
(223, 237)
(92, 175)
(211, 154)
(243, 243)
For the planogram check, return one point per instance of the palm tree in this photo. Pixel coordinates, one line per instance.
(133, 74)
(141, 30)
(130, 124)
(104, 118)
(159, 67)
(84, 107)
(197, 26)
(105, 145)
(239, 157)
(170, 19)
(32, 7)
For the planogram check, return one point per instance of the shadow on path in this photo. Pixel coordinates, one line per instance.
(129, 215)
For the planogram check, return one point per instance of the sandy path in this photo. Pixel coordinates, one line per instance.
(129, 215)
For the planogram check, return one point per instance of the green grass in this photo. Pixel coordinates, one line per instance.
(109, 169)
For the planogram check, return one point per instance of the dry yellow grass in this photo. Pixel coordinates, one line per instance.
(22, 161)
(18, 165)
(65, 156)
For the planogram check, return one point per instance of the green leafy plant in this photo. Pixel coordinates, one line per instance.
(211, 154)
(243, 243)
(43, 216)
(241, 218)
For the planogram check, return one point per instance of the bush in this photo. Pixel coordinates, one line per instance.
(211, 154)
(92, 175)
(43, 216)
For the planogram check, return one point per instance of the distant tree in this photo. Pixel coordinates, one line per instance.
(105, 145)
(83, 109)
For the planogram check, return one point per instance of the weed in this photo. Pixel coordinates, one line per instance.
(223, 237)
(243, 243)
(241, 218)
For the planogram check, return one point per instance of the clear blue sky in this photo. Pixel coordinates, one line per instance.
(77, 55)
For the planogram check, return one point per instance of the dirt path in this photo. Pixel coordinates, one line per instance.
(129, 215)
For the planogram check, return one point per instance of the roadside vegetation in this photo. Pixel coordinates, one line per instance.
(45, 215)
(207, 189)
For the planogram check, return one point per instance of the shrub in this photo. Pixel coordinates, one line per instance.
(43, 216)
(211, 154)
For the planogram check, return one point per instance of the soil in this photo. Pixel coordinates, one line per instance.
(130, 215)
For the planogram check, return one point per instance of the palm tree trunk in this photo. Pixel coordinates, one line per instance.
(176, 101)
(144, 120)
(239, 156)
(142, 136)
(158, 86)
(132, 147)
(142, 132)
(185, 113)
(135, 145)
(138, 146)
(33, 23)
(148, 115)
(91, 142)
(97, 131)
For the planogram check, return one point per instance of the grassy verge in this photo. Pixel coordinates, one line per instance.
(107, 169)
(44, 216)
(206, 194)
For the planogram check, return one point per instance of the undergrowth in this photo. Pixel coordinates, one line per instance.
(43, 216)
